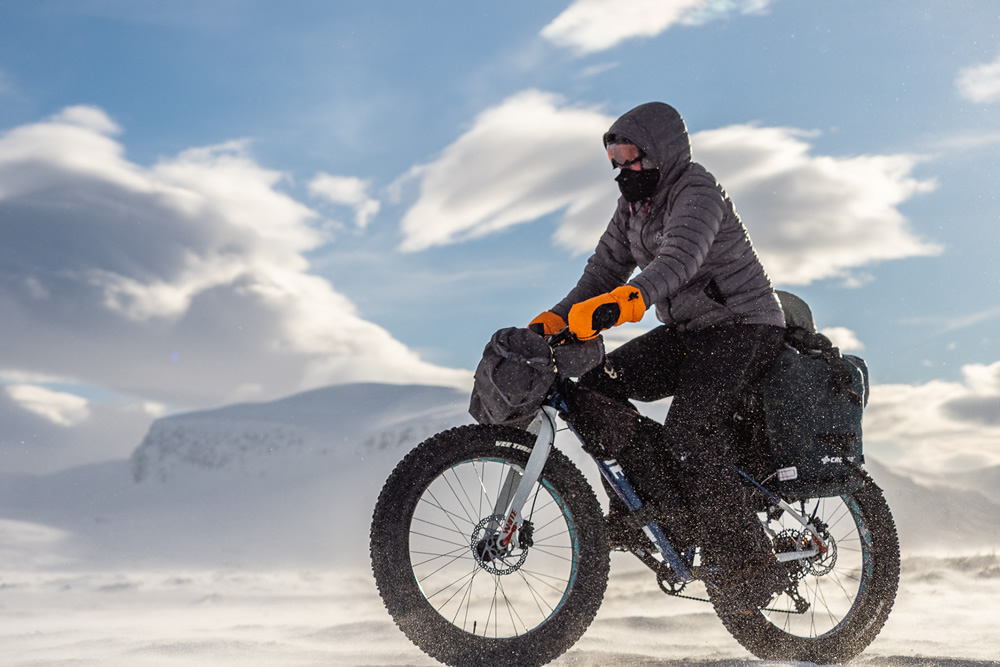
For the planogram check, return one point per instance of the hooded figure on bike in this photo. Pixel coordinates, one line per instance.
(722, 328)
(488, 544)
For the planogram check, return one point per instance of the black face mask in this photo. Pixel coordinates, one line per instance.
(637, 185)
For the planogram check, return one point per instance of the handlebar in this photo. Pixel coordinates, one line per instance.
(573, 356)
(563, 337)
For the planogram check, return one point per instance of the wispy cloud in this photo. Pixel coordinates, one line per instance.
(589, 26)
(965, 141)
(811, 216)
(47, 429)
(980, 83)
(528, 157)
(347, 191)
(941, 324)
(908, 424)
(58, 407)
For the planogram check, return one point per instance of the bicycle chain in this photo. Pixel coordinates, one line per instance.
(801, 606)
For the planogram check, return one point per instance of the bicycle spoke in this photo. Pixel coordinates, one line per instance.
(531, 580)
(434, 557)
(447, 586)
(467, 595)
(453, 492)
(448, 514)
(831, 584)
(451, 529)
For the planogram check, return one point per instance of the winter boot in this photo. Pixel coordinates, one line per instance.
(747, 588)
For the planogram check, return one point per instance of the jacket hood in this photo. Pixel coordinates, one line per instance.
(659, 131)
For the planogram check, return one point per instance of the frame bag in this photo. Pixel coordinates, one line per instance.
(813, 400)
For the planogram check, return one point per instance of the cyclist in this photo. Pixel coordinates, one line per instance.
(722, 326)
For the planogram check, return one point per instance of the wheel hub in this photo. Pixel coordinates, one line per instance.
(790, 541)
(491, 555)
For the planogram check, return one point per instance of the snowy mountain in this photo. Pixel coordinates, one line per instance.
(255, 484)
(330, 428)
(984, 480)
(294, 481)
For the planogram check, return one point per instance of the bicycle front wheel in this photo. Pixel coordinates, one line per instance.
(451, 587)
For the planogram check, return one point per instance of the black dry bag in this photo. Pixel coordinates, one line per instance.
(513, 378)
(813, 400)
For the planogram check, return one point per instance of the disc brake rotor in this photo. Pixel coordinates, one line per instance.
(492, 556)
(790, 541)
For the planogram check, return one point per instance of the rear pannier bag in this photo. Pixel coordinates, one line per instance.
(813, 400)
(513, 378)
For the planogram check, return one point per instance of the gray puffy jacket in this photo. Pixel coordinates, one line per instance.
(697, 263)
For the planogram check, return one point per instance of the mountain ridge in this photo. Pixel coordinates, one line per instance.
(294, 481)
(342, 420)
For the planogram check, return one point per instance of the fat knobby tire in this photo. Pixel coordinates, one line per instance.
(866, 617)
(402, 596)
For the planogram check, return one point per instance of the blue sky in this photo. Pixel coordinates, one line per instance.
(207, 202)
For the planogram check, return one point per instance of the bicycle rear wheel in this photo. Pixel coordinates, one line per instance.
(839, 600)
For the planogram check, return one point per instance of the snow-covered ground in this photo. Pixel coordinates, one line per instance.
(239, 537)
(946, 614)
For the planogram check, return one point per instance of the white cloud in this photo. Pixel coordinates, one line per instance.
(183, 283)
(980, 83)
(589, 26)
(942, 323)
(58, 407)
(811, 216)
(594, 70)
(32, 441)
(843, 338)
(814, 216)
(87, 117)
(530, 156)
(347, 191)
(967, 141)
(938, 425)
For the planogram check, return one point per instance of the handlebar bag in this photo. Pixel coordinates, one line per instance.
(573, 360)
(513, 378)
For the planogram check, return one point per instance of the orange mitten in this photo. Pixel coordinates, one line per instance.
(620, 305)
(548, 322)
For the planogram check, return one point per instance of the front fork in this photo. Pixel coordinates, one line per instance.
(518, 486)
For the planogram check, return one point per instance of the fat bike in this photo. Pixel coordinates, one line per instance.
(489, 547)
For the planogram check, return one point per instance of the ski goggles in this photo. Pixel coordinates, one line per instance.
(623, 156)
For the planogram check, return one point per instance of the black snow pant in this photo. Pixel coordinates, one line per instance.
(689, 469)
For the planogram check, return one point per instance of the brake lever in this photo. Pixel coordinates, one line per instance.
(562, 338)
